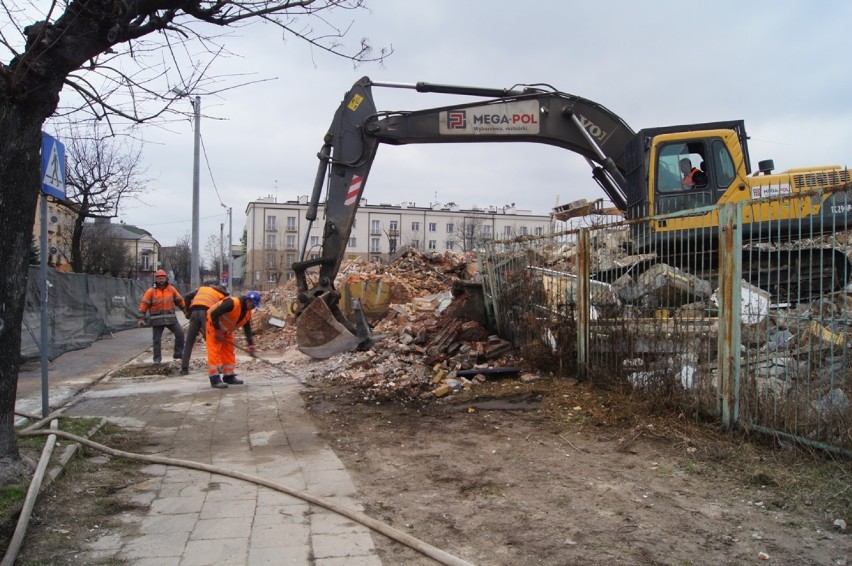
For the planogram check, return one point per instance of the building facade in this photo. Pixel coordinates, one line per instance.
(60, 224)
(275, 231)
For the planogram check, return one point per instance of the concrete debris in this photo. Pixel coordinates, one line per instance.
(430, 310)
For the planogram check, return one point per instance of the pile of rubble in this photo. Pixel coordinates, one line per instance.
(426, 343)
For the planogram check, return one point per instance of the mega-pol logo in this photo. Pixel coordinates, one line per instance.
(456, 120)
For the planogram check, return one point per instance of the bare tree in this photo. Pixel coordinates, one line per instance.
(103, 255)
(468, 232)
(214, 253)
(112, 61)
(101, 172)
(178, 258)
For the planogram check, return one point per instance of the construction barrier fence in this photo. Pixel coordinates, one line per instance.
(741, 312)
(80, 310)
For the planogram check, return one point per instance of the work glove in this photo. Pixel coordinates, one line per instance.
(141, 323)
(251, 348)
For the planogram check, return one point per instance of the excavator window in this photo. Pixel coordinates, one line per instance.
(677, 168)
(725, 170)
(681, 177)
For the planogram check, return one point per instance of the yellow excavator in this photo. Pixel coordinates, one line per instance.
(684, 169)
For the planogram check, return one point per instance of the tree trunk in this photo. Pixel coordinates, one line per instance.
(20, 184)
(77, 244)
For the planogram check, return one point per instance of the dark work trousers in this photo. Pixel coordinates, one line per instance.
(197, 323)
(158, 338)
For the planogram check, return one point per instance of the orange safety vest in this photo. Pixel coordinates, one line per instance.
(206, 297)
(234, 318)
(160, 304)
(688, 180)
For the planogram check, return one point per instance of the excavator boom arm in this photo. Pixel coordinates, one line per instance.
(515, 115)
(530, 114)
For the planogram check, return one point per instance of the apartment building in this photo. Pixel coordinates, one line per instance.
(60, 224)
(275, 232)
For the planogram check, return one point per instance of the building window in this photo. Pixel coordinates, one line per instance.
(291, 241)
(415, 226)
(291, 223)
(433, 245)
(415, 244)
(375, 246)
(271, 277)
(354, 223)
(433, 226)
(539, 231)
(375, 227)
(290, 259)
(270, 241)
(314, 256)
(270, 261)
(486, 230)
(393, 225)
(507, 230)
(450, 227)
(291, 276)
(449, 245)
(314, 241)
(353, 242)
(270, 223)
(523, 230)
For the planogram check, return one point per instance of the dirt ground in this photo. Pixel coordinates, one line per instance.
(547, 472)
(552, 472)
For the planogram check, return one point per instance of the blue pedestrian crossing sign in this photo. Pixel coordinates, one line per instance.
(52, 166)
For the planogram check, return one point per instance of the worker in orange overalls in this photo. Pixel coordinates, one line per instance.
(223, 319)
(198, 303)
(159, 303)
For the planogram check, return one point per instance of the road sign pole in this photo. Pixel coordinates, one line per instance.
(53, 184)
(44, 346)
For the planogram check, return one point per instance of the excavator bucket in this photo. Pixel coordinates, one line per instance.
(320, 334)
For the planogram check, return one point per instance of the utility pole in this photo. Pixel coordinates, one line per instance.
(230, 250)
(222, 250)
(195, 274)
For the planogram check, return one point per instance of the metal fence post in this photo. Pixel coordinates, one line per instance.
(583, 302)
(730, 310)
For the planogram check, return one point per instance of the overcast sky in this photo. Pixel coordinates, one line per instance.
(781, 66)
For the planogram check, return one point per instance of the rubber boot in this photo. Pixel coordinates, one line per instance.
(216, 382)
(232, 380)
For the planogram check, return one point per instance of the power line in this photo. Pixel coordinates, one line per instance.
(184, 221)
(210, 171)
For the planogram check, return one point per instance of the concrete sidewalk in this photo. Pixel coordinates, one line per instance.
(193, 517)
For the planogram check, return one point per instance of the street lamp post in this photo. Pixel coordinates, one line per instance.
(230, 250)
(195, 271)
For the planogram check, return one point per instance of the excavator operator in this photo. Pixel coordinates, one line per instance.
(692, 176)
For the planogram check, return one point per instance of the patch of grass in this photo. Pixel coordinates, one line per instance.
(77, 426)
(691, 467)
(11, 496)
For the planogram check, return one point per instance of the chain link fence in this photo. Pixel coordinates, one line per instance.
(744, 317)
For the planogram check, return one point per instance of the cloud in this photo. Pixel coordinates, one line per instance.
(780, 67)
